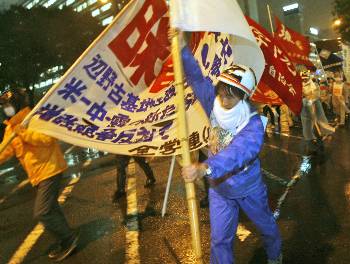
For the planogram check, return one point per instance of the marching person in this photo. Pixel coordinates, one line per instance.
(122, 163)
(314, 121)
(233, 167)
(43, 161)
(339, 99)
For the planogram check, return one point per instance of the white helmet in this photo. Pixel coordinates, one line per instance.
(241, 77)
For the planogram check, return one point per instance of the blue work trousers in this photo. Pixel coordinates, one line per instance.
(224, 220)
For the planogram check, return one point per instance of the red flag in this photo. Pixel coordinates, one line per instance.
(264, 94)
(296, 45)
(280, 74)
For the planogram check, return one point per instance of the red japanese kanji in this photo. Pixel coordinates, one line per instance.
(137, 45)
(157, 49)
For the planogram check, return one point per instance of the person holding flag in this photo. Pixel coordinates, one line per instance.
(42, 159)
(233, 167)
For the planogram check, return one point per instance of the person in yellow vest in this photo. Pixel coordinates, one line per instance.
(42, 159)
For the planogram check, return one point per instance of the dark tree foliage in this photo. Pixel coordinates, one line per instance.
(33, 41)
(342, 11)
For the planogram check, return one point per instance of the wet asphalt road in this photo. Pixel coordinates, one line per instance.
(314, 217)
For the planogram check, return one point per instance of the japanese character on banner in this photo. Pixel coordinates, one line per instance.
(138, 47)
(291, 89)
(282, 79)
(277, 53)
(170, 147)
(106, 133)
(285, 34)
(272, 71)
(144, 150)
(215, 68)
(260, 37)
(204, 55)
(116, 95)
(72, 90)
(97, 111)
(145, 135)
(290, 67)
(226, 49)
(96, 67)
(194, 140)
(131, 103)
(166, 126)
(48, 111)
(118, 120)
(66, 120)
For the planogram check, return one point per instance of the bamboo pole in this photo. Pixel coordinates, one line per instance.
(270, 19)
(186, 159)
(7, 142)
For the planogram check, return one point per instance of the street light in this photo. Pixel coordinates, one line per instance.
(314, 31)
(290, 7)
(337, 22)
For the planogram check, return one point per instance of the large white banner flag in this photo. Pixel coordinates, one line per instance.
(223, 16)
(105, 100)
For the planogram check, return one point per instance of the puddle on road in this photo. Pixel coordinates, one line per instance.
(74, 158)
(10, 180)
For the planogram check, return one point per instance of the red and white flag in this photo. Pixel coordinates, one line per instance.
(296, 44)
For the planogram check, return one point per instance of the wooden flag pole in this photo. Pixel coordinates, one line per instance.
(7, 142)
(270, 19)
(183, 135)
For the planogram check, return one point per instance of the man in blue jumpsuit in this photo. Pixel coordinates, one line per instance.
(233, 167)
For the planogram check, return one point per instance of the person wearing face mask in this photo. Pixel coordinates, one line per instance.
(233, 166)
(43, 161)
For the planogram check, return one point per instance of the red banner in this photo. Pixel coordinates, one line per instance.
(280, 74)
(296, 45)
(265, 95)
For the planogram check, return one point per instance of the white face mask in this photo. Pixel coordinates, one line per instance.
(9, 111)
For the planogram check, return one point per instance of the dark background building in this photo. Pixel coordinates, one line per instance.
(311, 13)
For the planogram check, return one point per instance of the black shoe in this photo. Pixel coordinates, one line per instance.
(204, 203)
(118, 195)
(150, 182)
(67, 247)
